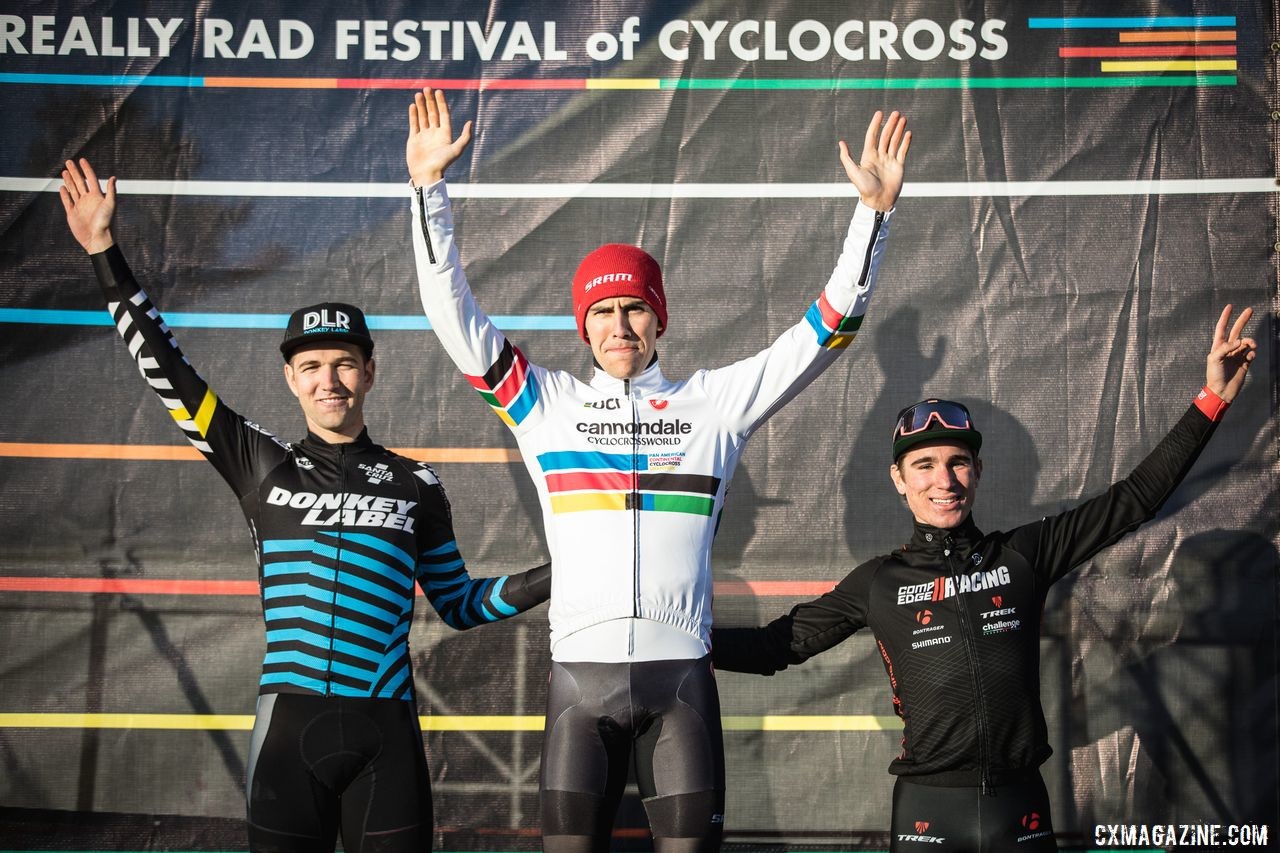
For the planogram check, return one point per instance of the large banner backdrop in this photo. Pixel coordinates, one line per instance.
(1084, 195)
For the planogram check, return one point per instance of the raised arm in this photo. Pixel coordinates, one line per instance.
(494, 367)
(750, 391)
(225, 439)
(1064, 541)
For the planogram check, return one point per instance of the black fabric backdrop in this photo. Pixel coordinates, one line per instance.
(1074, 326)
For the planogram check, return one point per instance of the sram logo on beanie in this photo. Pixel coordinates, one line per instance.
(617, 269)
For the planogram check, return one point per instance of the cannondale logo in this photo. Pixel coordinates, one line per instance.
(659, 404)
(1031, 821)
(924, 617)
(997, 600)
(922, 826)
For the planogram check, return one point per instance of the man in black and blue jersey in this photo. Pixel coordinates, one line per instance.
(343, 529)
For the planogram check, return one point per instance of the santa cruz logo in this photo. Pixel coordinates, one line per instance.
(1031, 822)
(945, 587)
(612, 404)
(659, 404)
(379, 473)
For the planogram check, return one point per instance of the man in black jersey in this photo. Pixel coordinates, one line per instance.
(956, 618)
(344, 528)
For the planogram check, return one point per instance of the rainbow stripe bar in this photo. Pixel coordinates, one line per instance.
(1130, 23)
(274, 322)
(835, 331)
(589, 481)
(508, 386)
(1195, 65)
(826, 84)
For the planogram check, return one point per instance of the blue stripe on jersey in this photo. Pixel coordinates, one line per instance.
(297, 635)
(314, 684)
(397, 683)
(382, 570)
(523, 404)
(270, 570)
(291, 656)
(275, 546)
(451, 545)
(361, 629)
(297, 611)
(385, 547)
(352, 671)
(593, 460)
(284, 590)
(498, 602)
(347, 602)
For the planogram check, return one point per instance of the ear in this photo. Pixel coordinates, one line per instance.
(977, 470)
(896, 476)
(289, 380)
(370, 367)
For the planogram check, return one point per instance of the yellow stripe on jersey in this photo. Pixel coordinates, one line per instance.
(207, 405)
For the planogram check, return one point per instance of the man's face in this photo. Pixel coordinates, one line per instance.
(939, 479)
(330, 380)
(622, 332)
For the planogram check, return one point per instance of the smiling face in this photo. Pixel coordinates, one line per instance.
(330, 381)
(622, 332)
(939, 479)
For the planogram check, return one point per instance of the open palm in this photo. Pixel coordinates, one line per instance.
(431, 147)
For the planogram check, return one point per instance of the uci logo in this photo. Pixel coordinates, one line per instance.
(604, 404)
(315, 319)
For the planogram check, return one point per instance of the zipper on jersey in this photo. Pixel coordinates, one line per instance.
(971, 651)
(633, 501)
(337, 568)
(426, 234)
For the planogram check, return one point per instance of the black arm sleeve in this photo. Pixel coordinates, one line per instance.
(1062, 542)
(809, 628)
(233, 445)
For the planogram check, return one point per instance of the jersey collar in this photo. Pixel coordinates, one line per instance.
(962, 538)
(651, 381)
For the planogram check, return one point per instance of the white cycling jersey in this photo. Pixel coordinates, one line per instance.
(631, 473)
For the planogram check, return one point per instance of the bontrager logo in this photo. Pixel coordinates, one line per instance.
(325, 320)
(945, 587)
(1031, 821)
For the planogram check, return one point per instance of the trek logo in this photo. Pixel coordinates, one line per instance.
(608, 278)
(924, 617)
(612, 404)
(921, 827)
(659, 404)
(325, 320)
(379, 473)
(944, 587)
(998, 600)
(334, 508)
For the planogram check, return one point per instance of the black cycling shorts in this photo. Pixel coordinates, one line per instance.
(1013, 818)
(664, 715)
(323, 764)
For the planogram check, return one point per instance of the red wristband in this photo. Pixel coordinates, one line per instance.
(1211, 405)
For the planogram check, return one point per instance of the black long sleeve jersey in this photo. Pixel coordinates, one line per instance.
(956, 617)
(343, 531)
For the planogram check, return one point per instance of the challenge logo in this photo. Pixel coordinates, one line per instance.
(336, 508)
(941, 588)
(379, 473)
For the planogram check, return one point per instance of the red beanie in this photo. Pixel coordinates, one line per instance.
(616, 269)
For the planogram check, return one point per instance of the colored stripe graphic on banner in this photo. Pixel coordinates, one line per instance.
(160, 586)
(1169, 56)
(274, 322)
(477, 723)
(823, 84)
(183, 453)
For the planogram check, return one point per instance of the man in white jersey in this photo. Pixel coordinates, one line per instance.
(631, 470)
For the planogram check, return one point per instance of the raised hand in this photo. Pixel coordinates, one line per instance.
(1229, 359)
(89, 210)
(431, 147)
(878, 176)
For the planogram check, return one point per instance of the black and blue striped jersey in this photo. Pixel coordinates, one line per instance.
(343, 531)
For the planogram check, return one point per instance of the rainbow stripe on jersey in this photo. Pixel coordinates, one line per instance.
(835, 331)
(585, 481)
(508, 386)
